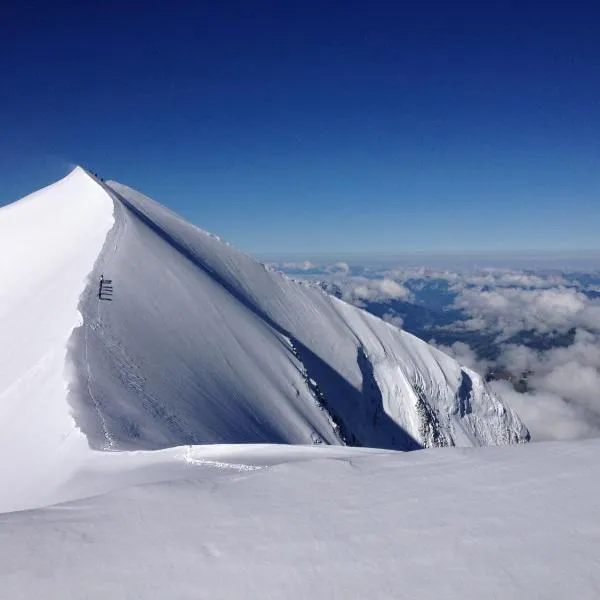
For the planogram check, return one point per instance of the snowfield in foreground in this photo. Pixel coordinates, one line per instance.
(307, 522)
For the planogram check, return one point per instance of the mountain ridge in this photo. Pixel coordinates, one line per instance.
(402, 411)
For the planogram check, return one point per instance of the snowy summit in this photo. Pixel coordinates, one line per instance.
(139, 349)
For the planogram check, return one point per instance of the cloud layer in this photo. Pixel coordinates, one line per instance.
(510, 310)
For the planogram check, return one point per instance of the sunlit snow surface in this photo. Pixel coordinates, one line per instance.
(105, 491)
(326, 522)
(49, 242)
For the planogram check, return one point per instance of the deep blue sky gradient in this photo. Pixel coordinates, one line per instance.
(319, 127)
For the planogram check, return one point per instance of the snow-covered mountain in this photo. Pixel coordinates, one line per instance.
(200, 343)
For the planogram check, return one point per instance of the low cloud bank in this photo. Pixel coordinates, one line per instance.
(511, 310)
(379, 289)
(465, 355)
(548, 416)
(564, 381)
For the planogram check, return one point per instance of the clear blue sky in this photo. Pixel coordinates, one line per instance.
(319, 126)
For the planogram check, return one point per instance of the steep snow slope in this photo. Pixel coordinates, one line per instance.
(266, 522)
(49, 242)
(202, 344)
(176, 358)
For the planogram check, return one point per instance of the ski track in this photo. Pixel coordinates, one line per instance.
(225, 466)
(95, 323)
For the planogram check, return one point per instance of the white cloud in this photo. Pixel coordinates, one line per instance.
(305, 265)
(548, 416)
(341, 268)
(393, 319)
(571, 374)
(394, 290)
(357, 289)
(465, 356)
(580, 383)
(510, 310)
(518, 359)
